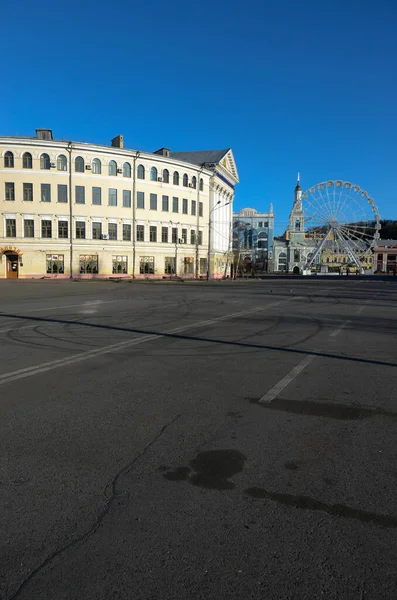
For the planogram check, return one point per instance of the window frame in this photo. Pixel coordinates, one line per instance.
(175, 202)
(96, 166)
(44, 187)
(27, 160)
(95, 195)
(62, 187)
(127, 194)
(62, 163)
(80, 230)
(140, 233)
(141, 172)
(175, 178)
(28, 227)
(166, 176)
(96, 230)
(79, 194)
(127, 170)
(140, 198)
(112, 168)
(112, 193)
(46, 223)
(62, 230)
(153, 202)
(9, 158)
(127, 227)
(153, 174)
(153, 234)
(79, 160)
(185, 206)
(112, 232)
(9, 191)
(164, 235)
(185, 181)
(45, 162)
(11, 228)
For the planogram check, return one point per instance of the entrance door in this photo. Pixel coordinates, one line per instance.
(12, 266)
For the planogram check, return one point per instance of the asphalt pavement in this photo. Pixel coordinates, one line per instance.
(198, 440)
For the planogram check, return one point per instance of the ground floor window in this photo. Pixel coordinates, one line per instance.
(119, 264)
(89, 263)
(282, 261)
(203, 266)
(146, 265)
(55, 263)
(170, 265)
(188, 264)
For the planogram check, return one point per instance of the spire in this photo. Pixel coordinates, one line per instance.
(298, 183)
(271, 207)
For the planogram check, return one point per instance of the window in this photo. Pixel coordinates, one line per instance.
(89, 264)
(193, 207)
(126, 169)
(169, 265)
(146, 265)
(119, 265)
(164, 235)
(63, 229)
(192, 236)
(153, 201)
(27, 160)
(96, 166)
(165, 205)
(153, 233)
(200, 209)
(185, 180)
(140, 233)
(260, 223)
(46, 229)
(175, 205)
(112, 169)
(28, 228)
(201, 185)
(141, 172)
(80, 194)
(126, 232)
(200, 238)
(97, 196)
(80, 230)
(194, 182)
(96, 230)
(112, 197)
(11, 228)
(62, 193)
(112, 231)
(184, 236)
(166, 176)
(10, 191)
(297, 225)
(8, 160)
(184, 206)
(266, 224)
(282, 261)
(126, 198)
(140, 199)
(55, 263)
(61, 163)
(176, 178)
(188, 264)
(175, 235)
(203, 265)
(44, 161)
(153, 174)
(79, 164)
(45, 192)
(296, 256)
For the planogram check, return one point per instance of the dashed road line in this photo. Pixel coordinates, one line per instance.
(339, 329)
(276, 389)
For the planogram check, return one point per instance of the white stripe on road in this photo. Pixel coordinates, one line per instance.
(275, 390)
(339, 329)
(85, 304)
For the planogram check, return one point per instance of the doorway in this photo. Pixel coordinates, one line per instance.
(12, 267)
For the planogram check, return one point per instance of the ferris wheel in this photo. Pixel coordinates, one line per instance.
(341, 219)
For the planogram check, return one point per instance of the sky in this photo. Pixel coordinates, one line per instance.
(308, 85)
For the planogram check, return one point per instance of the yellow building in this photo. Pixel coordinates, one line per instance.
(71, 209)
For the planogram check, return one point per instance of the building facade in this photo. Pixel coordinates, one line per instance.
(385, 257)
(253, 236)
(71, 209)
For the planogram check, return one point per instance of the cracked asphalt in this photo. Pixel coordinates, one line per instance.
(214, 441)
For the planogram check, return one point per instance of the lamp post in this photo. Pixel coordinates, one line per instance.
(209, 236)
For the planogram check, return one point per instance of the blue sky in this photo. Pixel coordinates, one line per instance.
(307, 85)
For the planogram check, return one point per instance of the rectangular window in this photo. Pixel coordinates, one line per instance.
(165, 206)
(193, 207)
(140, 199)
(175, 204)
(174, 235)
(184, 206)
(63, 229)
(45, 192)
(28, 192)
(80, 194)
(164, 235)
(153, 201)
(11, 228)
(200, 238)
(188, 264)
(119, 265)
(126, 232)
(112, 231)
(62, 193)
(146, 265)
(46, 229)
(96, 230)
(10, 191)
(89, 264)
(97, 196)
(200, 209)
(296, 256)
(140, 233)
(112, 197)
(184, 236)
(153, 233)
(203, 266)
(192, 237)
(28, 228)
(55, 263)
(169, 265)
(260, 224)
(126, 198)
(80, 230)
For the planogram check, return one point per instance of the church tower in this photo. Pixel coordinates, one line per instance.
(297, 216)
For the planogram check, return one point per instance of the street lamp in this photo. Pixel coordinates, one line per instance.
(209, 236)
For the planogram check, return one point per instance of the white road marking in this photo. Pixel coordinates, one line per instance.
(88, 303)
(54, 364)
(19, 328)
(339, 329)
(275, 390)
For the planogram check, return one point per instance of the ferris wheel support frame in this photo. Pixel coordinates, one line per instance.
(317, 251)
(349, 251)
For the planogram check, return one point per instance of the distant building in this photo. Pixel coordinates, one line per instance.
(385, 256)
(253, 235)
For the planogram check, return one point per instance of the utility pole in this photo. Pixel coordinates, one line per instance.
(69, 148)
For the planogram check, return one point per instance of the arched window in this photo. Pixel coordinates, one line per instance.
(153, 174)
(61, 163)
(176, 178)
(126, 170)
(282, 261)
(27, 160)
(201, 185)
(44, 161)
(112, 167)
(79, 164)
(185, 180)
(194, 182)
(141, 172)
(96, 166)
(166, 176)
(297, 225)
(9, 160)
(262, 240)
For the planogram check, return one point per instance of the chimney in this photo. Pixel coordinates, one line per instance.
(44, 134)
(118, 141)
(163, 152)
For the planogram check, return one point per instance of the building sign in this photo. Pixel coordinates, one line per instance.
(13, 249)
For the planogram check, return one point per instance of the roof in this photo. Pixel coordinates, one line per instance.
(386, 243)
(200, 157)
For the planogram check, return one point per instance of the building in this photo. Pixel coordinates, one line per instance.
(72, 209)
(253, 234)
(385, 256)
